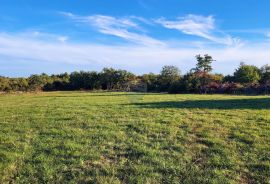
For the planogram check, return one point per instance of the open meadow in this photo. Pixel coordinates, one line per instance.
(83, 137)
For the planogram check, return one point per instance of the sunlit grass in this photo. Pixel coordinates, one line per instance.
(79, 137)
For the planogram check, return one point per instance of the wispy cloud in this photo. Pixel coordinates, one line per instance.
(129, 28)
(141, 19)
(18, 47)
(31, 34)
(202, 26)
(124, 28)
(146, 55)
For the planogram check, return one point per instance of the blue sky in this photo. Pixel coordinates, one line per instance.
(55, 36)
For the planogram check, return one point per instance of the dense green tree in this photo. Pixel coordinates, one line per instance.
(37, 82)
(247, 74)
(91, 80)
(84, 80)
(152, 81)
(18, 84)
(265, 74)
(4, 84)
(123, 77)
(60, 82)
(198, 80)
(107, 77)
(229, 78)
(193, 82)
(115, 79)
(168, 76)
(204, 63)
(217, 77)
(76, 80)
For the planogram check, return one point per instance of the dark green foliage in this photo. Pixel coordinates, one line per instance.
(265, 74)
(169, 75)
(247, 79)
(196, 80)
(84, 80)
(229, 78)
(37, 82)
(152, 81)
(5, 84)
(19, 84)
(115, 79)
(247, 74)
(204, 63)
(190, 83)
(60, 82)
(217, 77)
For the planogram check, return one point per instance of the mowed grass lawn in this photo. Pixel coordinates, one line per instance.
(83, 137)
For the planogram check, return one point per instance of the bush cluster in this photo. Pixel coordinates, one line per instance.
(247, 79)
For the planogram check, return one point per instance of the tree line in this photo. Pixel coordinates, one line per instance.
(247, 79)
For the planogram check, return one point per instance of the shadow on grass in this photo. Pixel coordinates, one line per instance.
(127, 94)
(104, 94)
(262, 103)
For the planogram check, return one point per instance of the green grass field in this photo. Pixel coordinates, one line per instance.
(81, 137)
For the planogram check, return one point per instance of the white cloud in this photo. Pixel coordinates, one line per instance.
(62, 38)
(141, 19)
(42, 36)
(124, 28)
(191, 24)
(134, 58)
(127, 28)
(256, 31)
(199, 26)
